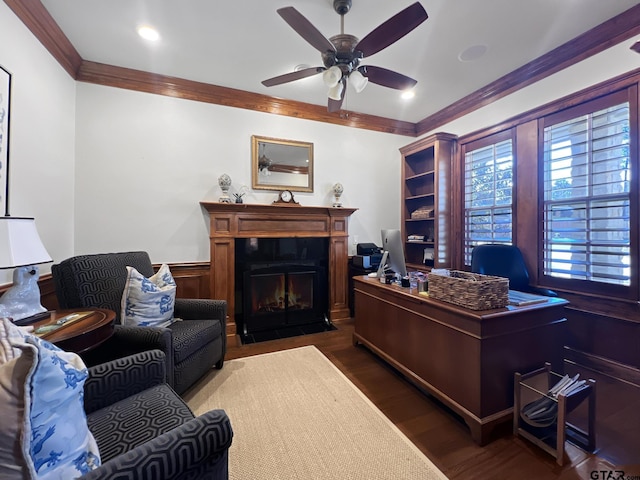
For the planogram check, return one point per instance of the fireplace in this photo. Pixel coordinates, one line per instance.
(229, 222)
(281, 282)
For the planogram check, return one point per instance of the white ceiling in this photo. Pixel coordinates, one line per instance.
(238, 44)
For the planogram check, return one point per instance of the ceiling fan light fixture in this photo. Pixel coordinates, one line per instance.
(332, 76)
(358, 81)
(335, 92)
(342, 53)
(408, 94)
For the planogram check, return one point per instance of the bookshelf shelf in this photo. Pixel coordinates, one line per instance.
(420, 176)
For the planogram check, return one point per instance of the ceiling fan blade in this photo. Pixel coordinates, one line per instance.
(392, 30)
(387, 78)
(290, 77)
(336, 105)
(306, 30)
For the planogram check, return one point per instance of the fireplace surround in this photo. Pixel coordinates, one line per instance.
(230, 221)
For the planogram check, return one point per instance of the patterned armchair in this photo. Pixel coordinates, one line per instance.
(191, 346)
(144, 430)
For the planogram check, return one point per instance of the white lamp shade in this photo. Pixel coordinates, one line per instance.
(20, 244)
(332, 76)
(358, 81)
(335, 93)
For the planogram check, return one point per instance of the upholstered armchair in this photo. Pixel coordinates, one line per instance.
(144, 430)
(191, 346)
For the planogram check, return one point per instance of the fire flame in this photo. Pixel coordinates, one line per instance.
(300, 294)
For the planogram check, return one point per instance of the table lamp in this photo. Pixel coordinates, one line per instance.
(21, 249)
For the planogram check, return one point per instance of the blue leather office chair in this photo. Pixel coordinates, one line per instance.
(505, 261)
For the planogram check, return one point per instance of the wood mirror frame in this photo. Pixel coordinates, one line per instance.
(278, 164)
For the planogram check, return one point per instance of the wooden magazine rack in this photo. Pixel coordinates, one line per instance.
(550, 430)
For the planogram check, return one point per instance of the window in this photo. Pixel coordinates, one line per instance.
(587, 193)
(488, 192)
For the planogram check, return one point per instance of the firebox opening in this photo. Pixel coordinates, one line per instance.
(280, 283)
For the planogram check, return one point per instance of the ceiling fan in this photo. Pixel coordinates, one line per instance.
(341, 54)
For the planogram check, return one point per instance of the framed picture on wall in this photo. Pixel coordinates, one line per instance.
(5, 115)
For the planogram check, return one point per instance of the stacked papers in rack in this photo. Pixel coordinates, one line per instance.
(543, 412)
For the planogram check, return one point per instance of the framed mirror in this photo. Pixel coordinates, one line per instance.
(278, 164)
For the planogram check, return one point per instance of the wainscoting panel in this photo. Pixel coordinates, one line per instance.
(48, 296)
(604, 336)
(192, 280)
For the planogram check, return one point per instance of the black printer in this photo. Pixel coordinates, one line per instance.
(369, 255)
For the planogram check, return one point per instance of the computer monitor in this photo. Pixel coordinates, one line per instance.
(393, 243)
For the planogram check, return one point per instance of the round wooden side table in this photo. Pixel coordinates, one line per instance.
(77, 330)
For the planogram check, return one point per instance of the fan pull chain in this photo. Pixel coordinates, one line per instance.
(344, 109)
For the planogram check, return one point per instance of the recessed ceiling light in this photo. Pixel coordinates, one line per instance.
(302, 66)
(408, 94)
(474, 52)
(148, 33)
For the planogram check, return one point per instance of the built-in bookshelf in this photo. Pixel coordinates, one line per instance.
(426, 204)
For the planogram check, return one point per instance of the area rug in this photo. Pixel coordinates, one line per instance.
(296, 416)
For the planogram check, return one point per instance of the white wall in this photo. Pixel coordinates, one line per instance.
(42, 138)
(144, 162)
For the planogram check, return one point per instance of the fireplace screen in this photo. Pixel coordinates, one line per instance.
(280, 283)
(281, 298)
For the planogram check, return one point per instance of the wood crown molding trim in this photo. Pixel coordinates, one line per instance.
(606, 35)
(41, 24)
(101, 74)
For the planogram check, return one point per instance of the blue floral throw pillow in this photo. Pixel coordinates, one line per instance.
(45, 396)
(148, 301)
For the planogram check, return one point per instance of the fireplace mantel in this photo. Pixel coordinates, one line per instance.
(229, 221)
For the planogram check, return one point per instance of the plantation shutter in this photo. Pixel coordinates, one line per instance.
(587, 176)
(488, 196)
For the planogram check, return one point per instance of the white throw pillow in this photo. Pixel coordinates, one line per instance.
(148, 301)
(44, 431)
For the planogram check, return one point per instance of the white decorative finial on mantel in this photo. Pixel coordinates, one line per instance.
(224, 181)
(337, 192)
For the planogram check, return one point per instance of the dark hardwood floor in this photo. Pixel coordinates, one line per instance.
(445, 438)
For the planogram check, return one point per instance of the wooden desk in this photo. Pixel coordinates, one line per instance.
(81, 335)
(464, 358)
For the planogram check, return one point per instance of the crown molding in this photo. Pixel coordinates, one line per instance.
(42, 25)
(616, 30)
(101, 74)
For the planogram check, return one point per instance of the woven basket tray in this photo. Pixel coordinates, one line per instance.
(470, 290)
